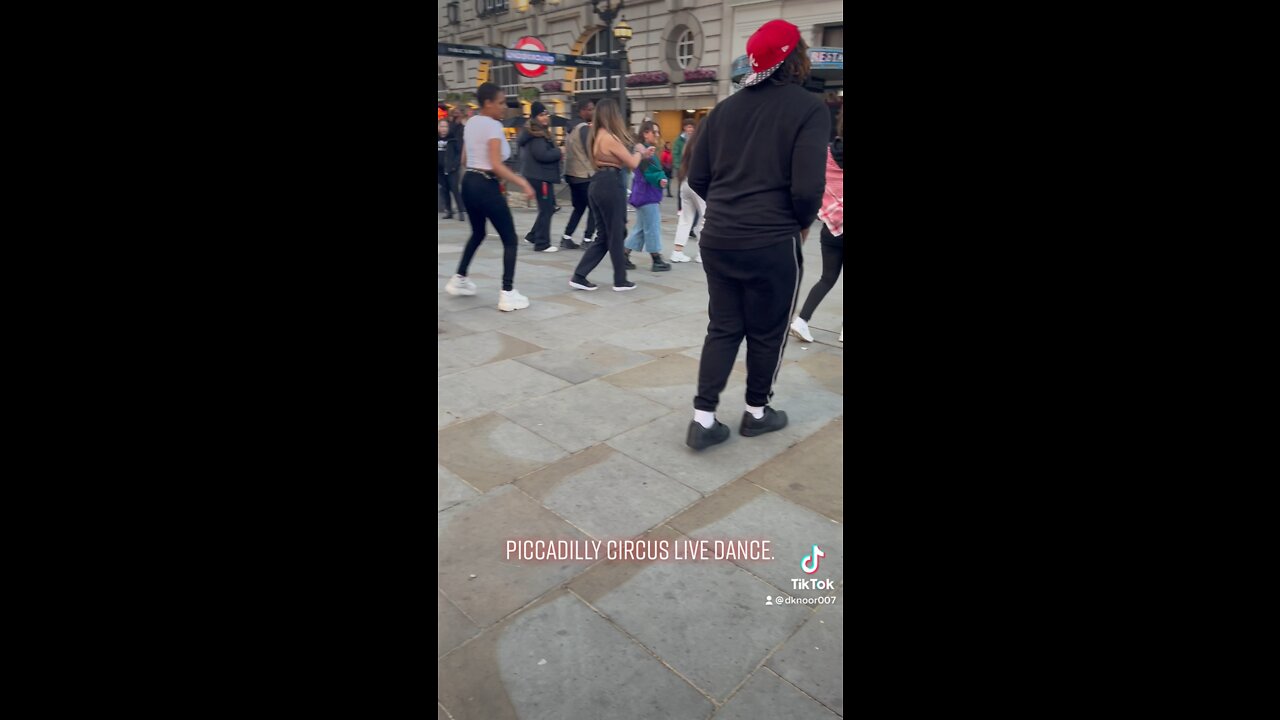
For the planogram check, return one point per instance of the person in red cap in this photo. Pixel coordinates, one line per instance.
(759, 164)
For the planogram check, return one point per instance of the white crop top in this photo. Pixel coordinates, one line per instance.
(476, 136)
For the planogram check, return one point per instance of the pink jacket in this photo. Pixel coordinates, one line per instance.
(832, 212)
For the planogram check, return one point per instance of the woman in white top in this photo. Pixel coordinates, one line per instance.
(486, 147)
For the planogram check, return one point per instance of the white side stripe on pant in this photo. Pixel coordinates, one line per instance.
(795, 296)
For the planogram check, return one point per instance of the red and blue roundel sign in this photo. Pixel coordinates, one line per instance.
(530, 44)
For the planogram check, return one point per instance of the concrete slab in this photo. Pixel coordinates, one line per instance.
(558, 660)
(452, 627)
(810, 473)
(491, 450)
(584, 362)
(450, 489)
(470, 541)
(472, 393)
(608, 494)
(478, 349)
(580, 416)
(768, 697)
(813, 660)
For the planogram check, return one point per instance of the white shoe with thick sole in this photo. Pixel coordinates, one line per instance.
(679, 256)
(699, 258)
(800, 329)
(459, 285)
(509, 300)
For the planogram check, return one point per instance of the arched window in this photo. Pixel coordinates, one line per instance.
(593, 79)
(684, 49)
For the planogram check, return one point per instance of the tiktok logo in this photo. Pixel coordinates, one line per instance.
(806, 565)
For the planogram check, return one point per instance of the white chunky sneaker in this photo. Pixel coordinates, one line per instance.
(459, 285)
(509, 300)
(800, 329)
(699, 259)
(679, 256)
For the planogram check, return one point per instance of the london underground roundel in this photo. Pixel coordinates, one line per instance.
(532, 44)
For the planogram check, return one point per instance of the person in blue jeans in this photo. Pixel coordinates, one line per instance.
(647, 185)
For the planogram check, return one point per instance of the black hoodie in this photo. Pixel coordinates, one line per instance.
(760, 163)
(540, 158)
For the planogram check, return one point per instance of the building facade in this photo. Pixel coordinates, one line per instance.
(678, 62)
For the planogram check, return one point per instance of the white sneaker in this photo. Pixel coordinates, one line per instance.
(841, 333)
(549, 248)
(509, 300)
(800, 329)
(699, 258)
(679, 256)
(459, 285)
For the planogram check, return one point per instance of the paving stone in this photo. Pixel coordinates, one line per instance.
(452, 627)
(680, 332)
(768, 697)
(481, 319)
(672, 381)
(472, 393)
(810, 473)
(471, 541)
(491, 450)
(707, 620)
(606, 296)
(607, 494)
(450, 489)
(742, 510)
(478, 349)
(813, 659)
(626, 317)
(558, 660)
(559, 332)
(580, 416)
(588, 360)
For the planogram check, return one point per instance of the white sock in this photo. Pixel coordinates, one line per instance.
(756, 412)
(704, 418)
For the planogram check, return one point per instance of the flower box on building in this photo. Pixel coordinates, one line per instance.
(647, 79)
(700, 75)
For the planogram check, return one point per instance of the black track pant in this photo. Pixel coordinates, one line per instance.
(609, 203)
(484, 201)
(540, 234)
(581, 204)
(832, 263)
(753, 294)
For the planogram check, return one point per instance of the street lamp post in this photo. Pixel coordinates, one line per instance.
(610, 11)
(623, 33)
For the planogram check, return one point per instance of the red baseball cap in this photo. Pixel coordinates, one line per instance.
(768, 48)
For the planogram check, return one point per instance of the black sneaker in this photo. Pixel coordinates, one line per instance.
(699, 437)
(568, 244)
(625, 286)
(630, 265)
(582, 283)
(772, 420)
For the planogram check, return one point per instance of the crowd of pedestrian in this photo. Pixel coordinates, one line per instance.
(751, 179)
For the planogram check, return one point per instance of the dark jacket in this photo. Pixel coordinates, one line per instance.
(760, 163)
(539, 156)
(451, 158)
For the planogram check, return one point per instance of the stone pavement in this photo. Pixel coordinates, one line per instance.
(566, 420)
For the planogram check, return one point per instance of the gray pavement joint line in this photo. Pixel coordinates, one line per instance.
(542, 505)
(714, 705)
(768, 655)
(445, 709)
(797, 687)
(457, 607)
(479, 492)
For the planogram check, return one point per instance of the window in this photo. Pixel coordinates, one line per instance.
(833, 36)
(593, 79)
(504, 76)
(684, 50)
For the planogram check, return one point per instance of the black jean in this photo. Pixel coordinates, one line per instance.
(540, 234)
(609, 203)
(581, 204)
(484, 201)
(832, 263)
(446, 191)
(753, 294)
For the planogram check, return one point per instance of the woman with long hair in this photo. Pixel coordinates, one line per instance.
(486, 148)
(608, 142)
(689, 199)
(646, 194)
(832, 238)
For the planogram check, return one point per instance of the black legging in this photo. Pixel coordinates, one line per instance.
(581, 204)
(484, 201)
(832, 263)
(609, 203)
